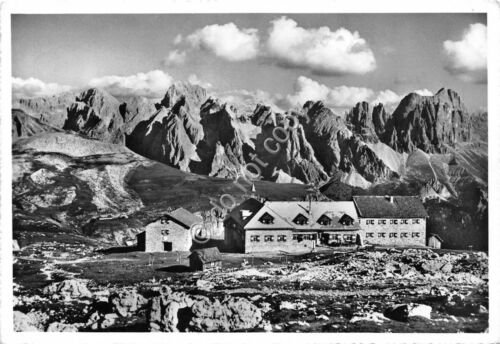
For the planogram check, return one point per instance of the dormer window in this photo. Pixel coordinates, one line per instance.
(346, 220)
(300, 220)
(325, 220)
(266, 219)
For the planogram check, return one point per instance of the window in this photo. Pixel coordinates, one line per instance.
(369, 235)
(335, 237)
(404, 222)
(393, 235)
(268, 238)
(266, 219)
(394, 222)
(281, 237)
(415, 235)
(416, 221)
(324, 220)
(349, 237)
(254, 238)
(381, 235)
(300, 220)
(382, 222)
(370, 222)
(346, 220)
(404, 235)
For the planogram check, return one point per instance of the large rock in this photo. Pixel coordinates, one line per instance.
(24, 323)
(62, 327)
(173, 312)
(126, 302)
(404, 311)
(68, 289)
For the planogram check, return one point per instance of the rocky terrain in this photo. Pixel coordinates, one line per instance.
(385, 290)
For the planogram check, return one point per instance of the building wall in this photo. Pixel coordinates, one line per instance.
(434, 242)
(400, 233)
(179, 236)
(289, 245)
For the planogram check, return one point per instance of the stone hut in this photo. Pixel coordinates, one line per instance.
(205, 259)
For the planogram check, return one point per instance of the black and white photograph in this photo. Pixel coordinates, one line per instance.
(257, 170)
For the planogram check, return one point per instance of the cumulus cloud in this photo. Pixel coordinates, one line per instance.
(341, 96)
(152, 84)
(387, 97)
(424, 92)
(226, 41)
(194, 80)
(32, 87)
(248, 100)
(467, 58)
(320, 50)
(175, 58)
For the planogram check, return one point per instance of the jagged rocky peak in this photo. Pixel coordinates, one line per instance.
(379, 118)
(193, 95)
(96, 114)
(136, 109)
(51, 110)
(360, 121)
(429, 123)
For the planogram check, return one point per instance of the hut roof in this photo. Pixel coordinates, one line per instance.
(382, 207)
(207, 255)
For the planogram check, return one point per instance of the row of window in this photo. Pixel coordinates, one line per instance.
(394, 235)
(393, 221)
(282, 238)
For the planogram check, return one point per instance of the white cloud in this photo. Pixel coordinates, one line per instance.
(341, 96)
(387, 97)
(32, 87)
(467, 58)
(152, 84)
(175, 58)
(320, 50)
(178, 39)
(247, 100)
(194, 80)
(226, 41)
(424, 92)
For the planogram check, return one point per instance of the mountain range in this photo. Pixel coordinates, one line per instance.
(430, 145)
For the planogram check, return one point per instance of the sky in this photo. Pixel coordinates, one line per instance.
(283, 59)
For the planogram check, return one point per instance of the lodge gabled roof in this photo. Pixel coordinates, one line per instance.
(382, 207)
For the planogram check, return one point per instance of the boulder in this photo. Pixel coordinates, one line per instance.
(68, 289)
(62, 327)
(127, 302)
(402, 312)
(24, 323)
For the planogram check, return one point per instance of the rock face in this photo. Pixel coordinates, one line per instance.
(379, 118)
(429, 123)
(360, 121)
(226, 143)
(322, 128)
(50, 110)
(171, 134)
(135, 110)
(127, 302)
(95, 114)
(24, 125)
